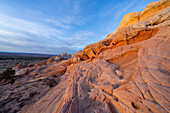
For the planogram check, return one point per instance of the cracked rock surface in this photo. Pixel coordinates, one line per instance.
(128, 72)
(135, 79)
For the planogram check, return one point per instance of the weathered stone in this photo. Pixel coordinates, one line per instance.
(126, 72)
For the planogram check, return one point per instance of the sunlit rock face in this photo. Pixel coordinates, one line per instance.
(134, 17)
(127, 72)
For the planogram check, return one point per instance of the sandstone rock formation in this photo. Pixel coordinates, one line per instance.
(128, 35)
(134, 17)
(128, 72)
(129, 78)
(32, 82)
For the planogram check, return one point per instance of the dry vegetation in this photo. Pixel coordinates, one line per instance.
(12, 61)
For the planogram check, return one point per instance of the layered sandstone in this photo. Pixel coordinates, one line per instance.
(129, 78)
(128, 35)
(31, 83)
(125, 73)
(148, 12)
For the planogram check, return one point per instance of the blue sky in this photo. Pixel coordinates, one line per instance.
(59, 26)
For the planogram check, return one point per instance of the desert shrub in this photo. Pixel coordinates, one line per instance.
(51, 82)
(34, 85)
(21, 104)
(17, 83)
(7, 74)
(32, 94)
(12, 80)
(54, 75)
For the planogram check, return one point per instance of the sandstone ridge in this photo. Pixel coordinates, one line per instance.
(128, 72)
(148, 12)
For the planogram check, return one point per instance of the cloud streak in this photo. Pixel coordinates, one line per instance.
(21, 35)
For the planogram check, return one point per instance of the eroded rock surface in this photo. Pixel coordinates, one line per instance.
(31, 83)
(128, 72)
(128, 35)
(128, 78)
(135, 17)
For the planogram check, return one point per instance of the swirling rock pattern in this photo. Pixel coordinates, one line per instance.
(127, 72)
(129, 78)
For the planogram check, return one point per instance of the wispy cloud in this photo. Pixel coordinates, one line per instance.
(58, 24)
(82, 38)
(27, 26)
(19, 35)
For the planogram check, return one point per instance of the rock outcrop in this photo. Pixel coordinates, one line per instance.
(128, 72)
(128, 35)
(129, 78)
(134, 17)
(31, 83)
